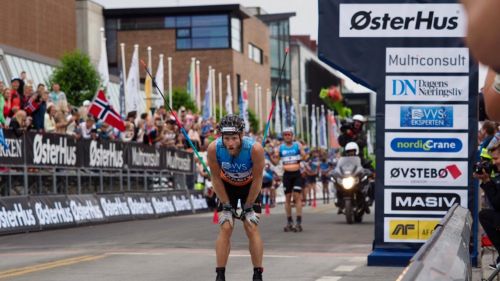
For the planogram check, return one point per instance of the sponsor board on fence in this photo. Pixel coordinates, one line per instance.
(51, 150)
(427, 88)
(198, 201)
(52, 211)
(143, 157)
(177, 160)
(422, 201)
(426, 173)
(426, 116)
(426, 145)
(427, 60)
(162, 204)
(408, 229)
(17, 215)
(114, 207)
(182, 202)
(85, 209)
(402, 20)
(140, 205)
(15, 154)
(102, 154)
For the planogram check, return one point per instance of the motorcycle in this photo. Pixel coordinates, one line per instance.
(352, 183)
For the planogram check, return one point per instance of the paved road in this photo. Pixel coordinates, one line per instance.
(181, 248)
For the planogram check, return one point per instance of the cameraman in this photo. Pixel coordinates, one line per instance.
(353, 132)
(490, 183)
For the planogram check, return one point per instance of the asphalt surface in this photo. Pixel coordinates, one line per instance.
(182, 248)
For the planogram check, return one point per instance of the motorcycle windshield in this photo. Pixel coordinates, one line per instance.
(348, 166)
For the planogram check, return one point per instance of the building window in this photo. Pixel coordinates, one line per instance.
(200, 32)
(236, 34)
(255, 53)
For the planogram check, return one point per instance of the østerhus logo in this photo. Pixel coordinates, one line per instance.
(442, 145)
(426, 116)
(401, 20)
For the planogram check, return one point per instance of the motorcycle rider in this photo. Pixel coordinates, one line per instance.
(351, 150)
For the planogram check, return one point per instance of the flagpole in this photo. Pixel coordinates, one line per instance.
(308, 129)
(228, 81)
(220, 96)
(211, 93)
(259, 104)
(160, 63)
(317, 122)
(170, 82)
(148, 95)
(192, 84)
(256, 99)
(214, 97)
(124, 74)
(198, 86)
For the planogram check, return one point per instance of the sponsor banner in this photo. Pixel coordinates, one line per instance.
(422, 201)
(182, 202)
(143, 156)
(402, 20)
(427, 88)
(140, 205)
(427, 60)
(425, 145)
(52, 211)
(177, 160)
(409, 230)
(51, 150)
(15, 154)
(114, 207)
(198, 201)
(102, 154)
(162, 204)
(85, 209)
(16, 215)
(426, 117)
(426, 173)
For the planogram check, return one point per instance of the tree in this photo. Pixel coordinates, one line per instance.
(77, 77)
(180, 98)
(254, 121)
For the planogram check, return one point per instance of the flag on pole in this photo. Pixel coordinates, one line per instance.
(191, 82)
(122, 95)
(293, 114)
(159, 102)
(133, 101)
(148, 89)
(244, 106)
(313, 127)
(101, 109)
(322, 129)
(283, 113)
(3, 143)
(277, 118)
(229, 97)
(333, 135)
(207, 103)
(102, 66)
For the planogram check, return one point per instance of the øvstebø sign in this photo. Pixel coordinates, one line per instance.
(402, 20)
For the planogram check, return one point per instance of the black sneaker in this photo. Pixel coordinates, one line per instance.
(257, 274)
(221, 276)
(340, 211)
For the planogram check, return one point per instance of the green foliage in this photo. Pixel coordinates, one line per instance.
(77, 77)
(180, 97)
(337, 106)
(254, 121)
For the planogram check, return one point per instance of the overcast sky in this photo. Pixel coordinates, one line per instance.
(305, 22)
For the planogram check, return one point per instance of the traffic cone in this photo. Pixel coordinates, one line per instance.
(314, 202)
(268, 209)
(215, 220)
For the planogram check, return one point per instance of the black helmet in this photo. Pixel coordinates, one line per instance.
(231, 124)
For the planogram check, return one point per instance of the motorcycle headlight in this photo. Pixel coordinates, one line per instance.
(348, 183)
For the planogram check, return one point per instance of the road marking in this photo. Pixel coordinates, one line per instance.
(329, 278)
(345, 268)
(48, 265)
(357, 259)
(265, 256)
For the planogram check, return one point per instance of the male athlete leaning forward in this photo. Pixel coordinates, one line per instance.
(237, 163)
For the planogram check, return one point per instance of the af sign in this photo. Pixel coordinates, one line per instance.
(422, 201)
(409, 230)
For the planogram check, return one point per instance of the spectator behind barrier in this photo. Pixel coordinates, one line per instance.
(490, 183)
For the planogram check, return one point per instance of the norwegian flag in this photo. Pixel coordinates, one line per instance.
(100, 108)
(31, 106)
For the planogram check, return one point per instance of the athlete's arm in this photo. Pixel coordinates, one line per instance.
(491, 97)
(220, 191)
(258, 166)
(302, 151)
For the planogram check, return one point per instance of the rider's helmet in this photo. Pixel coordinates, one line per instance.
(231, 124)
(351, 147)
(359, 117)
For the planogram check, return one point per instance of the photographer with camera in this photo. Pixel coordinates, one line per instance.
(352, 131)
(487, 171)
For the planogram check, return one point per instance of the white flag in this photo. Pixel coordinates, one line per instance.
(229, 97)
(102, 67)
(277, 119)
(322, 129)
(159, 102)
(133, 100)
(313, 128)
(207, 104)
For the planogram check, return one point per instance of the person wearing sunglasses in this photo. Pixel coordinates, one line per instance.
(291, 153)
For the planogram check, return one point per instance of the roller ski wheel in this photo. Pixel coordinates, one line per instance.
(289, 228)
(298, 228)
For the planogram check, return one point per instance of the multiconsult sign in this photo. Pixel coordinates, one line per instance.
(426, 116)
(426, 145)
(427, 60)
(427, 88)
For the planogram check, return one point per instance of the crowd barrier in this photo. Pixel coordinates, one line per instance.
(445, 256)
(20, 214)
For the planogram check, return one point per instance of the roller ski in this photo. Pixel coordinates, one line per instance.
(298, 228)
(290, 228)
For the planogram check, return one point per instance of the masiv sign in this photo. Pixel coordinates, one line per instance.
(59, 150)
(412, 54)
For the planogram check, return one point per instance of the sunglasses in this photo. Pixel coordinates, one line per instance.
(287, 134)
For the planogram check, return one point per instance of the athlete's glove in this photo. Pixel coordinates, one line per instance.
(227, 214)
(249, 215)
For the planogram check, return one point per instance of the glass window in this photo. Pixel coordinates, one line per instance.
(183, 32)
(250, 51)
(210, 20)
(236, 43)
(210, 31)
(183, 43)
(128, 23)
(3, 77)
(215, 42)
(257, 55)
(149, 22)
(183, 21)
(169, 22)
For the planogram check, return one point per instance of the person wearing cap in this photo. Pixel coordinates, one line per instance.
(291, 153)
(353, 132)
(237, 164)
